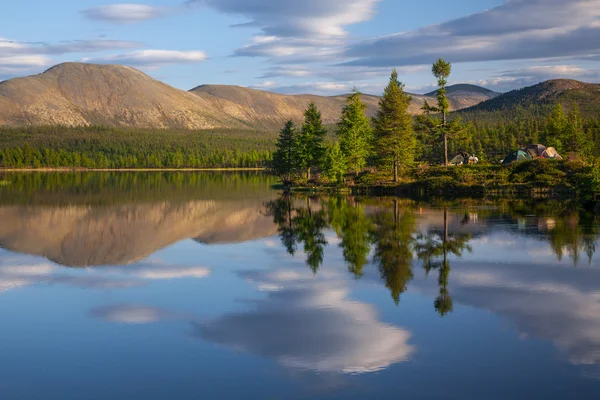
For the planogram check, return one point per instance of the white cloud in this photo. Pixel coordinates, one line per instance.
(341, 74)
(308, 18)
(508, 32)
(320, 88)
(311, 29)
(158, 270)
(125, 13)
(130, 314)
(311, 325)
(556, 304)
(19, 58)
(152, 58)
(302, 323)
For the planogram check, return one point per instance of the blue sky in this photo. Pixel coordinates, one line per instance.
(310, 46)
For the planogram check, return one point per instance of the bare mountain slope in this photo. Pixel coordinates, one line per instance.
(267, 109)
(78, 94)
(258, 107)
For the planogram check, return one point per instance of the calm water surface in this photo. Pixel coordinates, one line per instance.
(206, 286)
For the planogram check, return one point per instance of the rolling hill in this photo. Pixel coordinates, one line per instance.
(464, 95)
(542, 97)
(79, 94)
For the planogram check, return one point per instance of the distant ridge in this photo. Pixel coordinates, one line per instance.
(548, 93)
(80, 94)
(465, 88)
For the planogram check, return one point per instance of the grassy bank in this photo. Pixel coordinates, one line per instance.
(538, 178)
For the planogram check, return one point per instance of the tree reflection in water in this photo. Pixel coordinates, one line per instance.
(432, 249)
(389, 229)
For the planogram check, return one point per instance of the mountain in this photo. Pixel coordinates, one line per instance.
(463, 95)
(545, 95)
(258, 108)
(76, 94)
(79, 94)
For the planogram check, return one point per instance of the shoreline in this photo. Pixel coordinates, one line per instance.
(59, 169)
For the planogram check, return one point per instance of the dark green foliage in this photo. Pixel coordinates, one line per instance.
(393, 238)
(441, 70)
(285, 156)
(109, 188)
(101, 147)
(355, 133)
(334, 163)
(310, 225)
(311, 141)
(389, 229)
(395, 141)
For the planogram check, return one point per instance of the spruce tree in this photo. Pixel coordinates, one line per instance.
(578, 139)
(441, 70)
(557, 129)
(355, 134)
(334, 163)
(395, 139)
(285, 156)
(311, 147)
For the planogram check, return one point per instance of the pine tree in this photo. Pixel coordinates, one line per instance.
(354, 131)
(311, 148)
(557, 129)
(393, 128)
(285, 155)
(578, 139)
(441, 70)
(334, 163)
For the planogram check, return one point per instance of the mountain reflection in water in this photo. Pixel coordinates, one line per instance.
(320, 285)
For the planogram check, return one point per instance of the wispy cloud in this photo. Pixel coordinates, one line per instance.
(314, 28)
(518, 78)
(126, 13)
(18, 58)
(319, 88)
(152, 58)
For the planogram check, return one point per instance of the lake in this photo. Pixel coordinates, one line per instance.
(214, 285)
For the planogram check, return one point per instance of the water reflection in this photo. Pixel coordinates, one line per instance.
(433, 248)
(90, 220)
(395, 233)
(310, 325)
(310, 287)
(391, 231)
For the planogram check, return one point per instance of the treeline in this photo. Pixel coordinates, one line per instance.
(388, 140)
(102, 147)
(492, 138)
(392, 141)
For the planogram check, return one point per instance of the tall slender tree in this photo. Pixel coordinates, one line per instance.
(311, 146)
(441, 70)
(394, 135)
(285, 156)
(355, 134)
